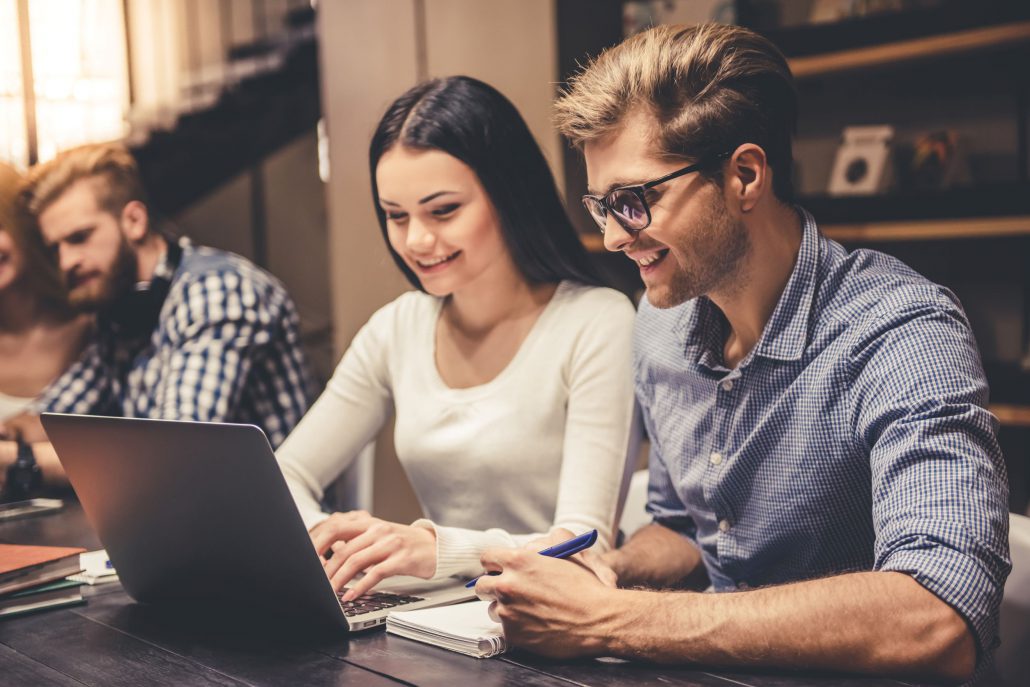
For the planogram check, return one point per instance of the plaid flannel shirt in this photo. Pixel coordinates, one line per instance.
(226, 348)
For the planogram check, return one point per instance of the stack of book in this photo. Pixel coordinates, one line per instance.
(32, 578)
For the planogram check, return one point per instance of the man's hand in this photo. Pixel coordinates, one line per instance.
(656, 556)
(597, 563)
(547, 605)
(381, 549)
(588, 558)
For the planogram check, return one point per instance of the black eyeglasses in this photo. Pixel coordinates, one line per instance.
(628, 204)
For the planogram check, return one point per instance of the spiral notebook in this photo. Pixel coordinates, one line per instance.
(466, 628)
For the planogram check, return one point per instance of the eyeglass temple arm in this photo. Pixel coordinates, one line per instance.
(686, 170)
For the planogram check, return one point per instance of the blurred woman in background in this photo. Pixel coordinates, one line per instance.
(508, 369)
(39, 335)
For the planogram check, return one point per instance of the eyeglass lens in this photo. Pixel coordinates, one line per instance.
(627, 206)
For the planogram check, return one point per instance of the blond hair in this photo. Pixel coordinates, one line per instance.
(38, 268)
(709, 88)
(110, 165)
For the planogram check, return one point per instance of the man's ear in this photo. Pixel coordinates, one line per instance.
(135, 221)
(750, 176)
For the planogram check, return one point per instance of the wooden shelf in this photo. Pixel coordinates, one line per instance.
(891, 54)
(1011, 415)
(930, 230)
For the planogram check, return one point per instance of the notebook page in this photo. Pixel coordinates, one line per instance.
(466, 628)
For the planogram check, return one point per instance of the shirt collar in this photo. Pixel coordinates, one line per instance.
(165, 269)
(701, 325)
(786, 333)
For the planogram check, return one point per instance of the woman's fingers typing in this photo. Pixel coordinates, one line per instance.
(373, 560)
(355, 542)
(338, 527)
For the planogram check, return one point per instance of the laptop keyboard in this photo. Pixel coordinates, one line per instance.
(375, 601)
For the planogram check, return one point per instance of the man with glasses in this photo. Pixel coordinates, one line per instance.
(821, 452)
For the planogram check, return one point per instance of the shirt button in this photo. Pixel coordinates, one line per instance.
(724, 525)
(743, 586)
(727, 385)
(715, 458)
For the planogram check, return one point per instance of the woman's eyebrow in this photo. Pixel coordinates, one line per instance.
(431, 196)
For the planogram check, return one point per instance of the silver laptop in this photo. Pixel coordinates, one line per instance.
(200, 512)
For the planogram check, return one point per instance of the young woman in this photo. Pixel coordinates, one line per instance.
(39, 336)
(509, 371)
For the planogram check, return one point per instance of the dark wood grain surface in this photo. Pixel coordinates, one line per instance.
(113, 641)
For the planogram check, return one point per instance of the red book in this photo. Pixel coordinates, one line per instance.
(22, 567)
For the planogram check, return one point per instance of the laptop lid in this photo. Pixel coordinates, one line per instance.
(200, 512)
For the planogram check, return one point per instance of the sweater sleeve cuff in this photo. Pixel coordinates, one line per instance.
(458, 550)
(312, 518)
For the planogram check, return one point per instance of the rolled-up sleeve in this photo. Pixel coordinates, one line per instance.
(939, 487)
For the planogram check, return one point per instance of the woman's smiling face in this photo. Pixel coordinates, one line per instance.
(439, 219)
(10, 259)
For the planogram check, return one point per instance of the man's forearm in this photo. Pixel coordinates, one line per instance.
(46, 459)
(657, 557)
(876, 622)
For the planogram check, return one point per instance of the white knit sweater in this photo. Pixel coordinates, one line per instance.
(547, 443)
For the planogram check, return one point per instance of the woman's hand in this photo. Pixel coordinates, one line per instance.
(555, 536)
(381, 549)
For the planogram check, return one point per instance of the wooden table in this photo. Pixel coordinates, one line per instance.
(113, 641)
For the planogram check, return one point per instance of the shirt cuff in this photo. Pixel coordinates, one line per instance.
(960, 581)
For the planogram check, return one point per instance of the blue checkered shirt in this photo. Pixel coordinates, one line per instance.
(226, 348)
(854, 436)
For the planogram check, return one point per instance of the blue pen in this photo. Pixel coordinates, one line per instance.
(563, 550)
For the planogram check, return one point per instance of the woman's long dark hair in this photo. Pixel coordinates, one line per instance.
(474, 123)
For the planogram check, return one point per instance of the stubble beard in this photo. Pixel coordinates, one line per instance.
(716, 251)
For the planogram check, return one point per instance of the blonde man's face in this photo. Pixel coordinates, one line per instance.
(693, 245)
